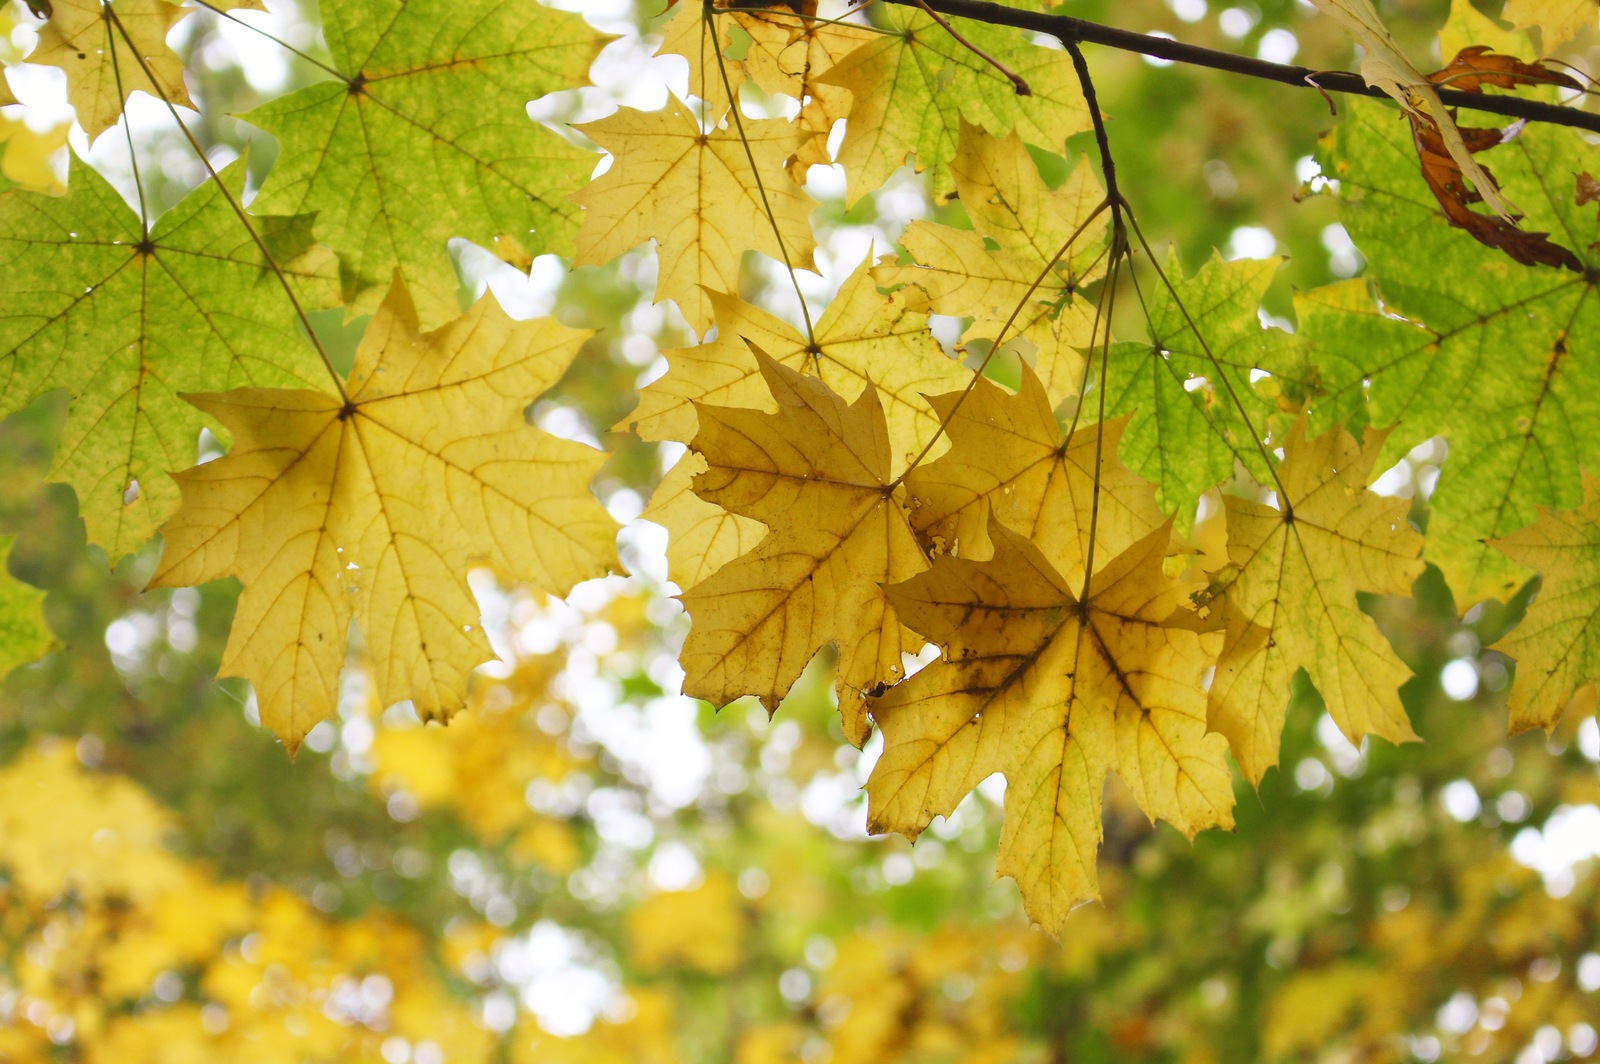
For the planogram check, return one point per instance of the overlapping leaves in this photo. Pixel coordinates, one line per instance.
(424, 135)
(127, 319)
(850, 484)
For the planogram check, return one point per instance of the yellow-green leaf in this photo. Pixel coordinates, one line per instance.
(373, 508)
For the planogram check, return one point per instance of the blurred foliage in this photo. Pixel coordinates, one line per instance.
(587, 868)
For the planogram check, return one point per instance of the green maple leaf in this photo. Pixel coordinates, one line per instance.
(127, 321)
(427, 137)
(915, 84)
(23, 634)
(1557, 645)
(1501, 359)
(1188, 426)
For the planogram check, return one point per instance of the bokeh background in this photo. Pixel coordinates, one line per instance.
(588, 867)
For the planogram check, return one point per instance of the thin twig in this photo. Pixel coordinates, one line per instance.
(1016, 79)
(127, 127)
(1065, 27)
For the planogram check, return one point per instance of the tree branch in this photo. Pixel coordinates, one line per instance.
(1065, 27)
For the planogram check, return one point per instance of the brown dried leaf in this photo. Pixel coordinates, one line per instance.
(1470, 71)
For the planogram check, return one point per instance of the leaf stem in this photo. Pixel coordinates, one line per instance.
(1000, 339)
(706, 23)
(1108, 300)
(238, 209)
(127, 128)
(1222, 376)
(1066, 26)
(285, 45)
(1016, 79)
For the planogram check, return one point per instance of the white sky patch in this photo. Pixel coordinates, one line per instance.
(555, 974)
(1251, 242)
(1570, 835)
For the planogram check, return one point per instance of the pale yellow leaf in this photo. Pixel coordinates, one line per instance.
(1049, 243)
(1557, 645)
(376, 507)
(86, 39)
(1008, 459)
(694, 193)
(1558, 21)
(702, 537)
(862, 337)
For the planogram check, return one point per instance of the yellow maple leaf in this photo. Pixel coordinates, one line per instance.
(704, 36)
(86, 39)
(862, 336)
(377, 505)
(1052, 692)
(1557, 645)
(701, 536)
(1558, 21)
(1292, 602)
(1008, 458)
(692, 190)
(796, 64)
(1014, 281)
(817, 475)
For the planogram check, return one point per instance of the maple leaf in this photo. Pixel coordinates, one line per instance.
(86, 39)
(704, 36)
(795, 64)
(427, 137)
(377, 506)
(817, 474)
(693, 192)
(914, 84)
(1008, 458)
(24, 636)
(1292, 601)
(1499, 358)
(1384, 66)
(1557, 645)
(1053, 693)
(1471, 69)
(702, 537)
(1558, 21)
(126, 319)
(862, 335)
(1185, 388)
(1020, 280)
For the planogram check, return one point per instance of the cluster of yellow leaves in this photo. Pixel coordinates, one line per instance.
(31, 155)
(1031, 556)
(1039, 566)
(699, 929)
(136, 955)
